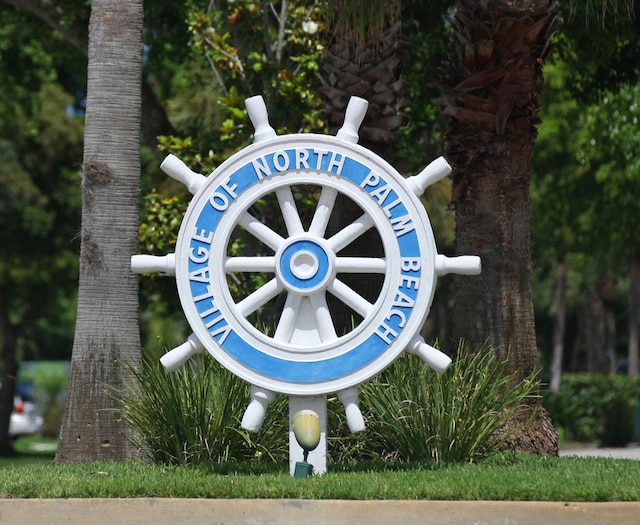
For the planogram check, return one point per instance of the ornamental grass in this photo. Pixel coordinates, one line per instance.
(192, 415)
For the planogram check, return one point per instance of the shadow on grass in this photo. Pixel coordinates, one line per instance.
(30, 450)
(351, 467)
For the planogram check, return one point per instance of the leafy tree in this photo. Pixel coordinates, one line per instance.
(240, 49)
(609, 150)
(592, 59)
(599, 43)
(107, 329)
(40, 141)
(557, 197)
(166, 44)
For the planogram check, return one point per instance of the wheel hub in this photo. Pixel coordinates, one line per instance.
(304, 266)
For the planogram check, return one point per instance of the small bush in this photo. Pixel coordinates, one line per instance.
(49, 379)
(192, 415)
(595, 408)
(460, 416)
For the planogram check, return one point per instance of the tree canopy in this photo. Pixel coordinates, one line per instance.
(203, 59)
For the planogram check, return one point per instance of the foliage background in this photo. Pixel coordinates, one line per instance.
(201, 64)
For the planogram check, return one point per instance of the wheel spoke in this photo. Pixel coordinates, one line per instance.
(287, 321)
(350, 233)
(289, 211)
(260, 231)
(260, 297)
(360, 265)
(250, 264)
(323, 317)
(323, 211)
(350, 297)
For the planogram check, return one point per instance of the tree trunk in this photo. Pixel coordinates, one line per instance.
(576, 364)
(559, 318)
(595, 333)
(493, 80)
(634, 315)
(9, 368)
(370, 70)
(610, 334)
(107, 333)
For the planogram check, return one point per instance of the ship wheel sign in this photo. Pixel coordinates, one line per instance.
(302, 262)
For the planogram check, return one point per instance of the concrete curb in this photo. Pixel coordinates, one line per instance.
(158, 511)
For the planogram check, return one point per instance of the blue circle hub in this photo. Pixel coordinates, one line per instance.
(304, 266)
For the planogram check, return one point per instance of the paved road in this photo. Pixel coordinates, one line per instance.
(593, 451)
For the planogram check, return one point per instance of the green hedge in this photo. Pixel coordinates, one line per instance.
(595, 408)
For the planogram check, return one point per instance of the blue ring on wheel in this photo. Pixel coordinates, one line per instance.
(277, 368)
(296, 248)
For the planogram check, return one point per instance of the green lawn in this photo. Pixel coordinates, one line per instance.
(31, 450)
(507, 477)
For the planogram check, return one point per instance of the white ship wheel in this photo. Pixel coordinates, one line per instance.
(304, 265)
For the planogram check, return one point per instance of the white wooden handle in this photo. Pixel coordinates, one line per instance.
(436, 359)
(178, 170)
(353, 117)
(349, 398)
(435, 171)
(257, 111)
(257, 410)
(461, 265)
(177, 357)
(162, 264)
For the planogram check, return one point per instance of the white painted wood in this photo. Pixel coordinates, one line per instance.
(253, 417)
(175, 358)
(462, 265)
(353, 117)
(257, 111)
(349, 398)
(179, 171)
(162, 264)
(304, 357)
(436, 359)
(435, 171)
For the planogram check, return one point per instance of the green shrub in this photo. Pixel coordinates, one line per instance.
(460, 416)
(595, 407)
(192, 415)
(49, 380)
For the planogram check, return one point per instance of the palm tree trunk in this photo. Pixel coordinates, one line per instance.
(369, 69)
(107, 332)
(493, 79)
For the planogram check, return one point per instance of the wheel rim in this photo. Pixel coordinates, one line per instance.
(304, 354)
